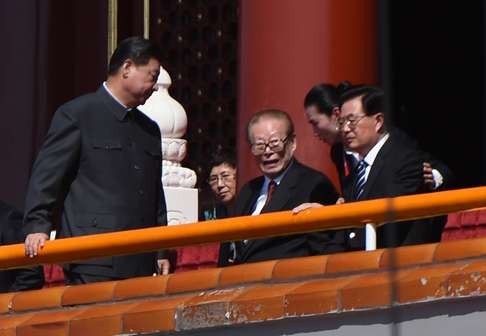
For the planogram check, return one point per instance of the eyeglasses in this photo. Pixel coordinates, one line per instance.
(225, 178)
(350, 121)
(275, 145)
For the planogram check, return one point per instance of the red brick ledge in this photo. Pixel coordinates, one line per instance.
(251, 293)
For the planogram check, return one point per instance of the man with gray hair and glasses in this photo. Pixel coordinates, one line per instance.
(284, 184)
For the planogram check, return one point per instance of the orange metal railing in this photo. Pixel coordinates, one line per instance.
(280, 223)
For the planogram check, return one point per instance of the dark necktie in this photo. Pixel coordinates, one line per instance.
(270, 189)
(360, 179)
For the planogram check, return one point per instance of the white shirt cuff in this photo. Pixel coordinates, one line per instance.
(438, 179)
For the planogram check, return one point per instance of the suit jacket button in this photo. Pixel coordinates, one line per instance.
(140, 192)
(137, 167)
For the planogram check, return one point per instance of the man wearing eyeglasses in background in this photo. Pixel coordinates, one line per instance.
(284, 184)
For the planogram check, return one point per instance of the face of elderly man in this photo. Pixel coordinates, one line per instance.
(271, 145)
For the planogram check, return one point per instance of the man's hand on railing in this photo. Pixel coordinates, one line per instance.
(305, 206)
(34, 242)
(163, 266)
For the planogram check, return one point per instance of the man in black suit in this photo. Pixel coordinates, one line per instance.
(387, 167)
(322, 110)
(11, 233)
(105, 155)
(284, 184)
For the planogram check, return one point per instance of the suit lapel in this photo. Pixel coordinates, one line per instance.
(376, 168)
(283, 192)
(280, 197)
(249, 197)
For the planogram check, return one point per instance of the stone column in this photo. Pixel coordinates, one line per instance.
(180, 195)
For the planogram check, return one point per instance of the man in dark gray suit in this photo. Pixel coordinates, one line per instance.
(105, 156)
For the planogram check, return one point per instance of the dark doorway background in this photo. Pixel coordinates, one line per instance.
(54, 50)
(434, 67)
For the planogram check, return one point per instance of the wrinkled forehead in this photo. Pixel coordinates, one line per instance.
(352, 107)
(267, 127)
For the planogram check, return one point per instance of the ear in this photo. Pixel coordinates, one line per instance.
(336, 111)
(380, 122)
(126, 68)
(293, 146)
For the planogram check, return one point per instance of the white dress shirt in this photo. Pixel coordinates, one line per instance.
(371, 156)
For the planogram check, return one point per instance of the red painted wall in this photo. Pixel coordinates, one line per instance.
(286, 47)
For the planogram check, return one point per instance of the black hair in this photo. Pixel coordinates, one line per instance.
(325, 96)
(343, 86)
(223, 156)
(135, 48)
(372, 98)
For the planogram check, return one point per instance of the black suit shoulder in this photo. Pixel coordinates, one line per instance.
(397, 171)
(81, 106)
(99, 107)
(405, 139)
(319, 186)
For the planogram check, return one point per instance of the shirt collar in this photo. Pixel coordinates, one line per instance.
(122, 112)
(277, 179)
(371, 156)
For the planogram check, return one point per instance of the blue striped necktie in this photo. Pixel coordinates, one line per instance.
(360, 179)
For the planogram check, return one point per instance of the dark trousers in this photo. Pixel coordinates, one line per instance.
(73, 278)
